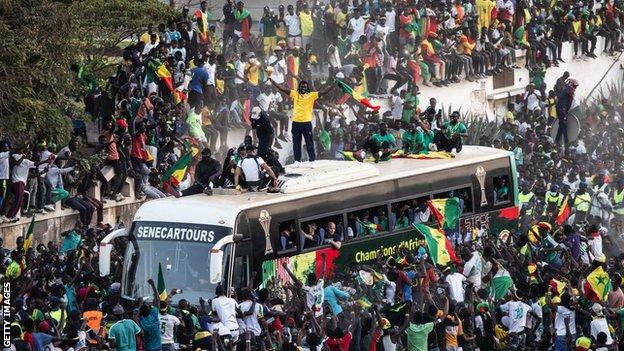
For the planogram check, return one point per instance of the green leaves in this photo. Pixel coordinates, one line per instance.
(42, 40)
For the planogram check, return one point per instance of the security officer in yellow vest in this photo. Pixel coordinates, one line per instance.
(618, 200)
(552, 201)
(582, 202)
(527, 200)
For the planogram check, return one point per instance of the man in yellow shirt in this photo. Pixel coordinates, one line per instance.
(303, 107)
(307, 25)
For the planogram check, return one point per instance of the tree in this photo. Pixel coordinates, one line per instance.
(43, 40)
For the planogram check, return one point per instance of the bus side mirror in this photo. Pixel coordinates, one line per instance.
(216, 266)
(238, 237)
(106, 248)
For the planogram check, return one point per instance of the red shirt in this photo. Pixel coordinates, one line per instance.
(138, 146)
(340, 344)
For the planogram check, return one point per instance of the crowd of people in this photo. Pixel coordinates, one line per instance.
(180, 90)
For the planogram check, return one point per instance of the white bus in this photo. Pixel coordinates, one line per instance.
(201, 241)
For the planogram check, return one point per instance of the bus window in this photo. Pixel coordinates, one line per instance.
(368, 221)
(464, 195)
(287, 237)
(241, 264)
(322, 231)
(501, 189)
(405, 213)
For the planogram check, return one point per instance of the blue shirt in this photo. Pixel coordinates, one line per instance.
(124, 333)
(199, 79)
(71, 242)
(332, 294)
(407, 288)
(151, 330)
(175, 35)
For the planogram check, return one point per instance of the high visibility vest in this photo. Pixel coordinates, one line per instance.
(618, 198)
(552, 198)
(582, 202)
(525, 199)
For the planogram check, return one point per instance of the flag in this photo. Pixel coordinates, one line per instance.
(202, 27)
(163, 73)
(177, 171)
(358, 97)
(178, 96)
(501, 282)
(532, 269)
(29, 235)
(160, 285)
(597, 285)
(432, 155)
(564, 212)
(557, 287)
(446, 211)
(440, 248)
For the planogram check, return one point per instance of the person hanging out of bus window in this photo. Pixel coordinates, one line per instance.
(450, 136)
(403, 220)
(332, 236)
(384, 144)
(256, 172)
(207, 171)
(303, 106)
(501, 193)
(314, 288)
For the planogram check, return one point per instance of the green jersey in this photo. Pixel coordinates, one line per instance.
(451, 129)
(379, 139)
(412, 142)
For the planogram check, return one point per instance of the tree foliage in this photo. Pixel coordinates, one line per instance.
(42, 40)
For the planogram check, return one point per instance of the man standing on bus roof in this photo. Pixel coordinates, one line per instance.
(207, 170)
(303, 106)
(450, 137)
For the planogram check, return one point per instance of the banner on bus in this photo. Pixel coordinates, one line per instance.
(188, 232)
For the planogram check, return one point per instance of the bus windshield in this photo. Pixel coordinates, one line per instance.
(182, 251)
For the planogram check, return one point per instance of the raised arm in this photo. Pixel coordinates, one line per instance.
(279, 87)
(292, 275)
(156, 301)
(328, 89)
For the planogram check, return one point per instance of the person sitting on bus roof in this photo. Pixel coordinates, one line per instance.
(383, 144)
(207, 170)
(412, 140)
(254, 170)
(450, 136)
(332, 236)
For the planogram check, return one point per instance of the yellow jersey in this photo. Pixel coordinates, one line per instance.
(303, 105)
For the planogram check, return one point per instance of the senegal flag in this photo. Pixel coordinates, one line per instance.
(440, 248)
(178, 96)
(446, 211)
(177, 171)
(597, 285)
(358, 97)
(557, 287)
(202, 26)
(160, 285)
(564, 212)
(29, 235)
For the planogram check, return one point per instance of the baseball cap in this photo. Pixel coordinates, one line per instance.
(255, 112)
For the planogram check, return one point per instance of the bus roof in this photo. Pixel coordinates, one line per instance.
(328, 176)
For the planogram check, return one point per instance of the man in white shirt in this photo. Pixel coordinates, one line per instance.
(455, 283)
(252, 315)
(225, 308)
(599, 324)
(532, 98)
(19, 177)
(252, 167)
(517, 312)
(357, 24)
(294, 27)
(167, 324)
(473, 268)
(278, 65)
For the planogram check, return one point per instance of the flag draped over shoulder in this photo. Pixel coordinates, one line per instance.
(160, 285)
(358, 97)
(446, 211)
(564, 212)
(29, 235)
(501, 283)
(202, 26)
(597, 285)
(440, 248)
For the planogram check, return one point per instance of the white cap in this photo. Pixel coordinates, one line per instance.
(340, 75)
(255, 112)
